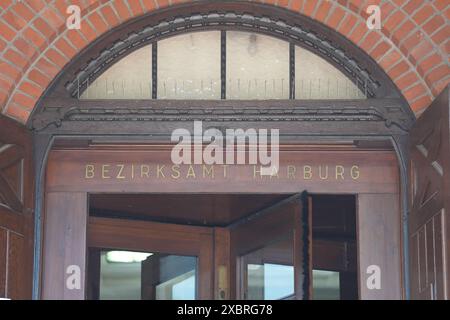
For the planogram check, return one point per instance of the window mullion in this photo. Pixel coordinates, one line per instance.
(291, 71)
(155, 70)
(223, 64)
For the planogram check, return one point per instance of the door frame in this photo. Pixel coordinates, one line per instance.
(199, 241)
(125, 234)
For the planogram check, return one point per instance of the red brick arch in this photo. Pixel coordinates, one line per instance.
(412, 46)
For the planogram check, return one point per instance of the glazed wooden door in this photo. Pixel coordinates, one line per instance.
(16, 210)
(272, 251)
(429, 217)
(177, 253)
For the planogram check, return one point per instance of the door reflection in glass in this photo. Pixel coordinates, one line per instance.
(134, 275)
(270, 281)
(326, 285)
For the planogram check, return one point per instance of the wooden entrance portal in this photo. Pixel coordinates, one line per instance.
(231, 219)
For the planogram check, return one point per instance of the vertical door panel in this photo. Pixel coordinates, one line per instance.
(379, 246)
(16, 210)
(64, 247)
(430, 201)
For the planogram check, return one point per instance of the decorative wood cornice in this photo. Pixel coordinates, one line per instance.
(386, 111)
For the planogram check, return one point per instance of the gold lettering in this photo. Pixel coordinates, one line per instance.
(291, 172)
(208, 172)
(354, 172)
(256, 171)
(145, 170)
(159, 171)
(175, 171)
(307, 172)
(105, 171)
(108, 171)
(89, 173)
(119, 174)
(326, 173)
(274, 172)
(340, 172)
(191, 172)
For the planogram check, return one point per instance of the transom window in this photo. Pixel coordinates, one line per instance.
(223, 65)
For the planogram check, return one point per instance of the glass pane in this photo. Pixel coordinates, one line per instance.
(270, 272)
(326, 285)
(189, 66)
(185, 289)
(136, 275)
(257, 66)
(271, 280)
(129, 78)
(315, 78)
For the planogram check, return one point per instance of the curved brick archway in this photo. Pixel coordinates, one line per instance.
(412, 46)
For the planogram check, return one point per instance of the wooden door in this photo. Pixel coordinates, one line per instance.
(429, 216)
(277, 238)
(16, 210)
(164, 241)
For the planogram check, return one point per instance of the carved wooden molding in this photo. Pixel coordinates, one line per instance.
(390, 113)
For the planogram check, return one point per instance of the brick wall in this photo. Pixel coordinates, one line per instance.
(412, 46)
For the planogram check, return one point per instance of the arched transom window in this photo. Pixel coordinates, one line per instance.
(223, 65)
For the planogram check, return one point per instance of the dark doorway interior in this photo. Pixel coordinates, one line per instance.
(333, 246)
(334, 253)
(212, 210)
